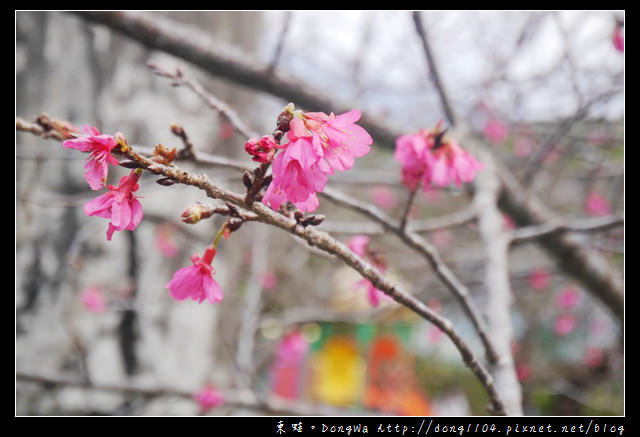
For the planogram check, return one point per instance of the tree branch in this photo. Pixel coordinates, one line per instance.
(496, 243)
(326, 243)
(240, 398)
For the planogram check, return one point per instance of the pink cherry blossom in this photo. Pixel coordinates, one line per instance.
(275, 197)
(297, 177)
(568, 298)
(374, 295)
(358, 244)
(593, 357)
(523, 147)
(383, 197)
(165, 241)
(118, 204)
(338, 139)
(208, 397)
(618, 39)
(268, 281)
(319, 144)
(539, 279)
(99, 146)
(410, 153)
(496, 130)
(441, 238)
(564, 324)
(93, 300)
(597, 205)
(291, 349)
(523, 371)
(434, 334)
(429, 158)
(226, 131)
(196, 281)
(598, 137)
(508, 222)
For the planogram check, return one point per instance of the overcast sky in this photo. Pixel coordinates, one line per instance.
(522, 65)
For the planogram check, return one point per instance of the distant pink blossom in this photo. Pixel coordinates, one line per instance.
(598, 137)
(568, 298)
(551, 156)
(93, 300)
(268, 281)
(434, 334)
(435, 305)
(384, 197)
(374, 295)
(291, 349)
(618, 39)
(597, 326)
(508, 222)
(226, 131)
(196, 281)
(119, 204)
(564, 324)
(593, 357)
(165, 241)
(428, 157)
(287, 376)
(208, 397)
(496, 130)
(597, 205)
(515, 347)
(523, 372)
(441, 238)
(523, 147)
(318, 145)
(358, 244)
(539, 279)
(99, 146)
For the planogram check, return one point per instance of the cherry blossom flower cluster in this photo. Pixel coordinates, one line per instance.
(118, 204)
(317, 146)
(429, 158)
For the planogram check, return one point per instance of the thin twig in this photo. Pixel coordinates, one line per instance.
(407, 209)
(281, 40)
(434, 73)
(595, 224)
(181, 78)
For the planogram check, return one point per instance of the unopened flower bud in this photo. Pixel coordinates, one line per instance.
(247, 180)
(313, 220)
(177, 130)
(262, 149)
(165, 182)
(194, 213)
